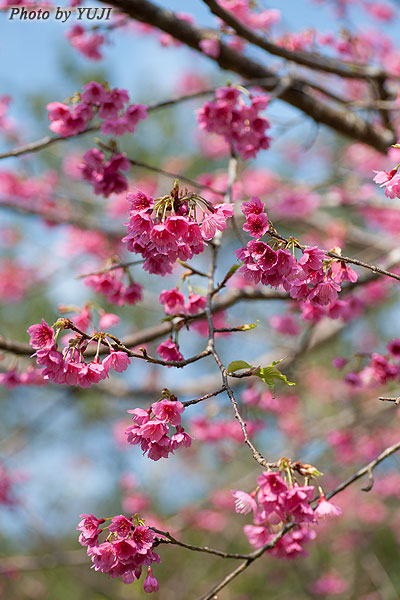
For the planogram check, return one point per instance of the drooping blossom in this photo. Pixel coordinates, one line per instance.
(239, 123)
(151, 428)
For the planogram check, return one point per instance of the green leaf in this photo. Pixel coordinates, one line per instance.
(270, 375)
(237, 365)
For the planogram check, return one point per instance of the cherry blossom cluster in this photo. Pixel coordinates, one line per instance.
(313, 280)
(381, 368)
(105, 175)
(12, 378)
(172, 227)
(274, 503)
(87, 43)
(239, 123)
(174, 302)
(69, 367)
(111, 286)
(109, 105)
(125, 552)
(151, 428)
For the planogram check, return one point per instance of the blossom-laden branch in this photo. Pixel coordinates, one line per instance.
(48, 140)
(307, 59)
(153, 333)
(295, 94)
(367, 469)
(75, 558)
(331, 254)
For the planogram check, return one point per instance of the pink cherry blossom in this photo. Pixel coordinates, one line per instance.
(42, 336)
(173, 301)
(244, 503)
(119, 361)
(327, 509)
(150, 584)
(169, 351)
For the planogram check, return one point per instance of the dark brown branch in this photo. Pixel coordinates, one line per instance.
(307, 59)
(342, 121)
(205, 549)
(205, 397)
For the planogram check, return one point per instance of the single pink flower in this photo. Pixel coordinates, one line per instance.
(119, 361)
(169, 351)
(169, 411)
(150, 584)
(121, 526)
(42, 336)
(244, 503)
(326, 508)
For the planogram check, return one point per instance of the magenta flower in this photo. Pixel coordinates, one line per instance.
(94, 93)
(342, 272)
(180, 438)
(119, 361)
(169, 411)
(153, 430)
(256, 225)
(390, 181)
(42, 336)
(312, 259)
(239, 123)
(169, 351)
(143, 537)
(257, 535)
(121, 526)
(326, 508)
(195, 304)
(324, 292)
(173, 301)
(244, 503)
(150, 584)
(210, 46)
(103, 556)
(89, 528)
(253, 206)
(329, 584)
(90, 373)
(140, 201)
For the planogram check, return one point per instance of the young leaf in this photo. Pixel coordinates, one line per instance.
(237, 365)
(270, 375)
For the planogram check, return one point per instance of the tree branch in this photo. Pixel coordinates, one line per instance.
(342, 121)
(307, 59)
